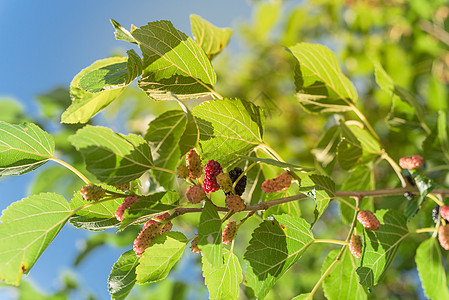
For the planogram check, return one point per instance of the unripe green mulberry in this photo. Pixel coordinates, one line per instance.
(92, 192)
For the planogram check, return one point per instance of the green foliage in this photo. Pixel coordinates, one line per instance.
(123, 275)
(209, 235)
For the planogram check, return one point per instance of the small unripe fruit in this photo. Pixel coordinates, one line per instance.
(368, 220)
(92, 192)
(225, 182)
(443, 236)
(195, 194)
(182, 172)
(229, 232)
(123, 187)
(127, 203)
(411, 162)
(235, 202)
(193, 163)
(355, 246)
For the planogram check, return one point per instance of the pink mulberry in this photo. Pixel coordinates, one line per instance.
(355, 246)
(368, 220)
(193, 162)
(235, 202)
(443, 236)
(127, 203)
(281, 182)
(195, 194)
(411, 162)
(229, 232)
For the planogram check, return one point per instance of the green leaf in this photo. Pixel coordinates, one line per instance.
(209, 235)
(173, 63)
(326, 150)
(90, 97)
(190, 137)
(320, 83)
(97, 217)
(148, 207)
(163, 135)
(321, 189)
(123, 275)
(223, 282)
(23, 148)
(302, 297)
(212, 39)
(425, 185)
(160, 257)
(367, 141)
(273, 250)
(228, 128)
(27, 228)
(112, 157)
(134, 66)
(349, 150)
(276, 163)
(381, 246)
(430, 265)
(361, 179)
(342, 281)
(121, 33)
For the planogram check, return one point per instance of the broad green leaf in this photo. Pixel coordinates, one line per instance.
(276, 163)
(191, 135)
(123, 275)
(86, 103)
(228, 128)
(425, 185)
(212, 39)
(302, 297)
(349, 150)
(121, 33)
(97, 217)
(320, 83)
(321, 189)
(430, 265)
(275, 246)
(291, 208)
(148, 207)
(381, 246)
(173, 63)
(342, 281)
(27, 228)
(160, 257)
(443, 130)
(23, 148)
(223, 282)
(163, 135)
(112, 157)
(367, 141)
(382, 78)
(209, 235)
(325, 151)
(134, 66)
(361, 179)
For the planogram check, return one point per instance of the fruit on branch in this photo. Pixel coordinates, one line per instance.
(150, 230)
(355, 246)
(435, 212)
(281, 182)
(235, 202)
(127, 203)
(122, 187)
(182, 172)
(241, 185)
(194, 246)
(443, 236)
(229, 232)
(368, 220)
(444, 212)
(225, 182)
(411, 162)
(193, 163)
(92, 192)
(211, 171)
(195, 194)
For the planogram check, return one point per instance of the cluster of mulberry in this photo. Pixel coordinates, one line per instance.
(211, 171)
(150, 230)
(92, 192)
(411, 162)
(368, 220)
(281, 182)
(127, 203)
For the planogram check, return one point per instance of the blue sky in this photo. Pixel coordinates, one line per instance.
(44, 44)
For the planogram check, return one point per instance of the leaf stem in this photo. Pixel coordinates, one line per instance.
(243, 174)
(330, 241)
(422, 230)
(395, 167)
(365, 121)
(435, 199)
(71, 168)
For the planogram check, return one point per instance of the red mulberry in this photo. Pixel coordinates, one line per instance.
(355, 246)
(235, 202)
(127, 203)
(193, 162)
(444, 212)
(368, 220)
(195, 194)
(211, 171)
(92, 192)
(411, 162)
(443, 236)
(229, 232)
(281, 182)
